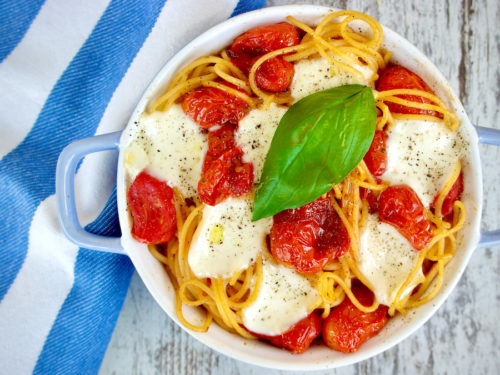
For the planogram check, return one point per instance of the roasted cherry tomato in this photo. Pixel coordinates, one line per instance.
(376, 157)
(453, 195)
(308, 237)
(225, 176)
(219, 142)
(274, 75)
(263, 39)
(370, 198)
(397, 77)
(299, 337)
(151, 204)
(401, 207)
(346, 328)
(209, 106)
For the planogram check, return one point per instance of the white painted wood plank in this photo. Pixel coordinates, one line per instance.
(462, 39)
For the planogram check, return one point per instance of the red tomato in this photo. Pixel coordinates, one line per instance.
(346, 328)
(225, 176)
(240, 177)
(401, 207)
(299, 337)
(152, 208)
(209, 106)
(376, 157)
(453, 195)
(308, 237)
(372, 200)
(219, 142)
(264, 39)
(275, 75)
(397, 77)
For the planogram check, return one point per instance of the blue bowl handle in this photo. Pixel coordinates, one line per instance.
(65, 192)
(489, 136)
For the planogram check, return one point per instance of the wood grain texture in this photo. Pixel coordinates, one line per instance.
(462, 39)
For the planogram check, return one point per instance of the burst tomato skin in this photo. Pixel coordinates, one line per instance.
(223, 173)
(219, 142)
(398, 77)
(275, 75)
(370, 197)
(299, 337)
(308, 237)
(376, 157)
(151, 205)
(346, 328)
(453, 195)
(401, 207)
(264, 39)
(209, 106)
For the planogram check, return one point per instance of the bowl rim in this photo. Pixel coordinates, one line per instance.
(244, 22)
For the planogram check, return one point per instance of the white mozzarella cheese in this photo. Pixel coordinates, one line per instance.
(386, 259)
(422, 155)
(285, 298)
(227, 240)
(173, 145)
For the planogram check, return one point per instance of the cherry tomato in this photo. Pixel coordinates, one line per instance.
(346, 328)
(370, 197)
(275, 75)
(401, 207)
(213, 186)
(453, 195)
(397, 77)
(376, 157)
(209, 106)
(225, 176)
(264, 39)
(151, 205)
(219, 142)
(240, 177)
(308, 237)
(299, 337)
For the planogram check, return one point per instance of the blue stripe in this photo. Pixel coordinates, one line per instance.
(15, 19)
(72, 111)
(247, 6)
(78, 339)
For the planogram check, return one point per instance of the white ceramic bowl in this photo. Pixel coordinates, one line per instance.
(318, 356)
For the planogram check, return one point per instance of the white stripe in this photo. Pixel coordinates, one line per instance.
(30, 307)
(29, 73)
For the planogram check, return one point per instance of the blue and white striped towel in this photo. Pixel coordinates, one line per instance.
(69, 70)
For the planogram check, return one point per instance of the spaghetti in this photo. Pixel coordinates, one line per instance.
(334, 40)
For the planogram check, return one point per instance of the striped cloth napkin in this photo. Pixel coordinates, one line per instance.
(69, 70)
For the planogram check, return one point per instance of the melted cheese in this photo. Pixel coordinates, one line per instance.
(316, 75)
(171, 146)
(422, 155)
(386, 258)
(254, 135)
(227, 240)
(285, 298)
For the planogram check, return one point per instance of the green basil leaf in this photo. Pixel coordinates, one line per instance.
(318, 142)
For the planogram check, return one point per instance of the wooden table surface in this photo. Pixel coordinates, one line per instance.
(463, 39)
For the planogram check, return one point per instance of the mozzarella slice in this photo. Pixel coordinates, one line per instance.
(254, 135)
(422, 155)
(386, 259)
(227, 240)
(316, 75)
(285, 298)
(173, 144)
